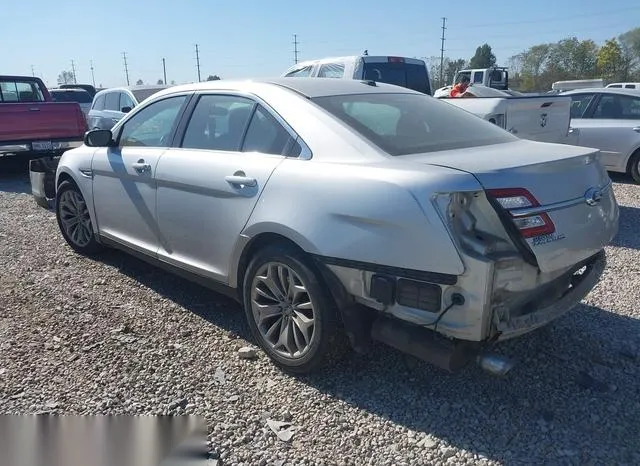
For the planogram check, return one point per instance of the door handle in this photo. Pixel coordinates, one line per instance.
(574, 131)
(141, 167)
(637, 129)
(237, 180)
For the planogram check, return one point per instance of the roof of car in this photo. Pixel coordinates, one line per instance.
(136, 88)
(603, 90)
(308, 87)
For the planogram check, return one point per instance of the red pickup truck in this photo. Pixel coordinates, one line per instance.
(32, 124)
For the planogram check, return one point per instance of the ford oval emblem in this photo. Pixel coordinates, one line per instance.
(593, 196)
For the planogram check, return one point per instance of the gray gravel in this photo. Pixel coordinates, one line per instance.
(79, 336)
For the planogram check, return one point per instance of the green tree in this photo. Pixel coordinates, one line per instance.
(139, 82)
(610, 61)
(452, 67)
(484, 57)
(160, 82)
(213, 77)
(630, 46)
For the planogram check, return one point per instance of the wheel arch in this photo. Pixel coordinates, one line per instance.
(635, 152)
(86, 189)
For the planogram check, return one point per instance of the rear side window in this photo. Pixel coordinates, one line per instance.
(579, 104)
(112, 100)
(126, 101)
(81, 97)
(618, 107)
(401, 74)
(403, 124)
(20, 91)
(630, 86)
(331, 70)
(477, 77)
(98, 103)
(266, 135)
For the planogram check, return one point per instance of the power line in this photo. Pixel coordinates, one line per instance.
(126, 68)
(538, 33)
(73, 69)
(554, 18)
(444, 27)
(93, 76)
(295, 48)
(164, 71)
(198, 63)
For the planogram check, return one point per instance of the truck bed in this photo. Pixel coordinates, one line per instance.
(538, 118)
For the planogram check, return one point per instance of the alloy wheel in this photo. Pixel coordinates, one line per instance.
(283, 310)
(75, 219)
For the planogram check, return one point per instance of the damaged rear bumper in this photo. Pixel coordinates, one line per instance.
(580, 285)
(42, 175)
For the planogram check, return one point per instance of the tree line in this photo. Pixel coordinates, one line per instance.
(535, 69)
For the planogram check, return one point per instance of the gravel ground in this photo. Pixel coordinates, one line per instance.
(79, 336)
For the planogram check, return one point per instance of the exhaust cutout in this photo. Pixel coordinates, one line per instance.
(495, 364)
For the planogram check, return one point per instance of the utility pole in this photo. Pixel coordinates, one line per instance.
(444, 22)
(93, 76)
(33, 71)
(73, 68)
(198, 63)
(164, 71)
(126, 69)
(295, 48)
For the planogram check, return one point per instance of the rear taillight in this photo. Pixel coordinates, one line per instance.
(82, 120)
(395, 59)
(514, 199)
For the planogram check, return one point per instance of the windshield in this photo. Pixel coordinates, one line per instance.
(403, 124)
(142, 94)
(81, 97)
(406, 75)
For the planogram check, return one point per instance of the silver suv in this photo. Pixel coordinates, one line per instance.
(110, 105)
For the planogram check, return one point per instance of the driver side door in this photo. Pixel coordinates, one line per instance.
(124, 176)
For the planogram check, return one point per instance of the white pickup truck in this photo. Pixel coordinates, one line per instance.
(543, 118)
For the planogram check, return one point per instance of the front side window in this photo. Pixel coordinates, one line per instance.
(331, 70)
(579, 104)
(618, 107)
(218, 122)
(403, 124)
(300, 73)
(153, 125)
(112, 101)
(477, 77)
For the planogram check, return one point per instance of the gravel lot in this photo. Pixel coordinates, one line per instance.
(79, 336)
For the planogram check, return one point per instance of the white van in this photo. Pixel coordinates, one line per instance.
(402, 71)
(624, 85)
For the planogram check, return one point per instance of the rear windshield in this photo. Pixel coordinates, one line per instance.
(401, 74)
(142, 94)
(403, 124)
(81, 97)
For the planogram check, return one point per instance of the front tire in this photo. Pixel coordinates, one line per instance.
(74, 220)
(291, 315)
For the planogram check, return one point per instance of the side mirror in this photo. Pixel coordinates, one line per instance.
(98, 138)
(125, 109)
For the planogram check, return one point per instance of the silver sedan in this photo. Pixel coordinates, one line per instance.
(339, 211)
(608, 119)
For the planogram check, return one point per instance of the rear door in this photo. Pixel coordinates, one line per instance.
(209, 185)
(543, 119)
(611, 124)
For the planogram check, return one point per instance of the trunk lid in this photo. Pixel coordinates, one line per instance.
(560, 178)
(41, 121)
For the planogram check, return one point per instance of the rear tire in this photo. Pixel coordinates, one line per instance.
(634, 166)
(74, 221)
(290, 312)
